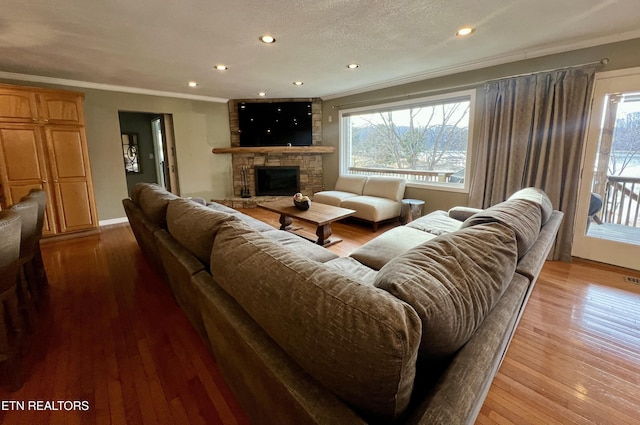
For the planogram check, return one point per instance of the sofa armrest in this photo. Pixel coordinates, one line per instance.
(459, 393)
(463, 213)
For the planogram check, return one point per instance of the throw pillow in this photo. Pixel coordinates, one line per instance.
(520, 215)
(452, 282)
(358, 341)
(538, 196)
(195, 226)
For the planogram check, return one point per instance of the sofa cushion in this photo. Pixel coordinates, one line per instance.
(372, 208)
(453, 282)
(259, 225)
(385, 187)
(222, 208)
(436, 223)
(332, 197)
(520, 215)
(301, 246)
(354, 269)
(254, 223)
(195, 226)
(537, 196)
(135, 192)
(351, 184)
(180, 265)
(382, 249)
(153, 201)
(354, 339)
(462, 213)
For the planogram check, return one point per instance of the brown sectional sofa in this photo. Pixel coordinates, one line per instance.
(411, 328)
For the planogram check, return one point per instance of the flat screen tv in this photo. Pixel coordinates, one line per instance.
(275, 123)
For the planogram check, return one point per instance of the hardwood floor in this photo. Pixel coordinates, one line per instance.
(111, 334)
(575, 356)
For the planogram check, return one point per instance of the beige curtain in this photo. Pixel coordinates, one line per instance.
(532, 135)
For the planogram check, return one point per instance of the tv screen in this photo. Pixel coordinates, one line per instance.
(275, 124)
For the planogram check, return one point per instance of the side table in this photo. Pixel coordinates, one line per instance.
(411, 210)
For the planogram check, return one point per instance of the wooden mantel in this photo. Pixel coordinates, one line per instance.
(277, 149)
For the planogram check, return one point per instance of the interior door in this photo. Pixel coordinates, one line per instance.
(610, 185)
(170, 153)
(163, 141)
(162, 174)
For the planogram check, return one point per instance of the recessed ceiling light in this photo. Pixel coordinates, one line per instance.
(222, 67)
(267, 39)
(193, 84)
(353, 66)
(465, 31)
(298, 83)
(262, 94)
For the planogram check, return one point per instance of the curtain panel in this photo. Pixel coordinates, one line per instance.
(532, 134)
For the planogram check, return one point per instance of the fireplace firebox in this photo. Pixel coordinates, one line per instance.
(277, 181)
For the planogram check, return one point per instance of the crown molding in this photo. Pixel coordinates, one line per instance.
(107, 87)
(494, 61)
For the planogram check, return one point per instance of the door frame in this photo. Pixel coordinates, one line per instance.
(596, 249)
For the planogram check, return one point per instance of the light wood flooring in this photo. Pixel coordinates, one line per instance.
(111, 334)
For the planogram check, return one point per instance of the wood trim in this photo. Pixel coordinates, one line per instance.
(36, 89)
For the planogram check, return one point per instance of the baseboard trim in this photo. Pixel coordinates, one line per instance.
(111, 221)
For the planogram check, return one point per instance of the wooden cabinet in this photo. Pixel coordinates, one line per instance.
(43, 145)
(60, 108)
(18, 106)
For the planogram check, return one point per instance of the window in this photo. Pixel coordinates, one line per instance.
(426, 141)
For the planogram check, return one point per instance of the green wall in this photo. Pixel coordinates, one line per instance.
(199, 126)
(621, 55)
(140, 124)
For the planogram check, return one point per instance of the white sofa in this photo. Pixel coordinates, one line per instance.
(375, 199)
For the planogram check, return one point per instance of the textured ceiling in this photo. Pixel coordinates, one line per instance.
(160, 45)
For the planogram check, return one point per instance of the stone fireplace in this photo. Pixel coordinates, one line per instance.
(277, 181)
(245, 159)
(309, 165)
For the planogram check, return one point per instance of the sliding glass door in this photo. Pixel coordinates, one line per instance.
(608, 221)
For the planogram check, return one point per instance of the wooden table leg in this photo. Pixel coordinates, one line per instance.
(285, 221)
(323, 232)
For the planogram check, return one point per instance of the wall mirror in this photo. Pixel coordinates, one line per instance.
(131, 152)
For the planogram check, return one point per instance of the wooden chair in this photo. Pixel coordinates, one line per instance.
(39, 274)
(28, 212)
(11, 326)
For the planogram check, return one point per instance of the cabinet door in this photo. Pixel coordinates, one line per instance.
(60, 108)
(18, 106)
(23, 167)
(71, 178)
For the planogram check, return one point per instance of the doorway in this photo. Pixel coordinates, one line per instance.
(148, 149)
(608, 220)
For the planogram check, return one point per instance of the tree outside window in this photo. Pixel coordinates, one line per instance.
(423, 141)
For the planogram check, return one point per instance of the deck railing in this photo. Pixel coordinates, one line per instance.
(415, 175)
(621, 201)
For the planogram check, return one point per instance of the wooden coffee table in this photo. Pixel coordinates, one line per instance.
(321, 215)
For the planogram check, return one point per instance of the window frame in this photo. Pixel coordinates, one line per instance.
(345, 148)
